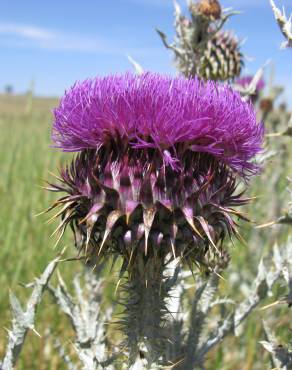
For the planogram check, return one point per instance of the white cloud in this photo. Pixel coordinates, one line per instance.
(30, 36)
(49, 39)
(26, 31)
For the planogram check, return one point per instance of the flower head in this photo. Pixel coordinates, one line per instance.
(170, 116)
(208, 8)
(157, 165)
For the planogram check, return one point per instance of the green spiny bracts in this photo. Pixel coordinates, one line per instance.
(222, 59)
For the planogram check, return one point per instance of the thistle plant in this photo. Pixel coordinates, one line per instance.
(201, 48)
(155, 179)
(156, 188)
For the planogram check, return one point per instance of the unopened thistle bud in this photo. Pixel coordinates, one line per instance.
(155, 179)
(222, 59)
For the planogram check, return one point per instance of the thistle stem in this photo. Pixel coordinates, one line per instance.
(145, 309)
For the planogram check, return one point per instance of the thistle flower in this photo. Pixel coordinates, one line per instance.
(157, 164)
(155, 179)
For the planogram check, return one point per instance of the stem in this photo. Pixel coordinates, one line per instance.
(145, 309)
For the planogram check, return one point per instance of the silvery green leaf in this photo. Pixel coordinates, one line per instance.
(284, 24)
(23, 319)
(281, 355)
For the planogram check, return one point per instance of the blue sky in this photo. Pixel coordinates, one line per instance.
(59, 41)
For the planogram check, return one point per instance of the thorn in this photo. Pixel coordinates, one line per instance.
(148, 218)
(131, 256)
(59, 238)
(220, 276)
(49, 189)
(63, 251)
(88, 235)
(189, 216)
(241, 239)
(271, 305)
(106, 234)
(67, 205)
(62, 223)
(117, 287)
(172, 248)
(191, 223)
(43, 212)
(266, 225)
(55, 176)
(205, 227)
(36, 332)
(112, 219)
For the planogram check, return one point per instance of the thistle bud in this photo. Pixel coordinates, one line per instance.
(222, 60)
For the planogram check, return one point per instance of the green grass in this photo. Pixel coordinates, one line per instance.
(25, 160)
(25, 244)
(26, 247)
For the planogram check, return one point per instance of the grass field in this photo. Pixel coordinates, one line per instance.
(25, 246)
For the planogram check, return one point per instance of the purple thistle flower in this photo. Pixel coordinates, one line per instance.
(171, 116)
(157, 165)
(155, 179)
